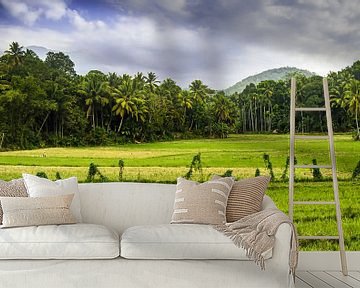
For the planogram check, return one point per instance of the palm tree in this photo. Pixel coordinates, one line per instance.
(222, 108)
(30, 53)
(95, 90)
(16, 54)
(4, 83)
(152, 81)
(186, 102)
(353, 102)
(338, 87)
(127, 98)
(199, 91)
(266, 91)
(113, 79)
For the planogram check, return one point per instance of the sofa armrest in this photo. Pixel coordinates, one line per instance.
(279, 263)
(282, 246)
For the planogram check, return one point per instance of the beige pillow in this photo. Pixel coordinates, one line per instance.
(20, 211)
(246, 197)
(203, 203)
(13, 188)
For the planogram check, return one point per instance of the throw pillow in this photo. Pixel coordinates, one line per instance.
(27, 211)
(202, 203)
(41, 187)
(246, 197)
(13, 188)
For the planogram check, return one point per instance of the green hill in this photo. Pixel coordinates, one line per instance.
(272, 74)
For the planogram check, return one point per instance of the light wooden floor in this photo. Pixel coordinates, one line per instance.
(327, 279)
(321, 269)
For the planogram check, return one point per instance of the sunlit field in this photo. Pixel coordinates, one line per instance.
(243, 154)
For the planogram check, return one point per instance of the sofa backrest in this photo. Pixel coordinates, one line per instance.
(120, 205)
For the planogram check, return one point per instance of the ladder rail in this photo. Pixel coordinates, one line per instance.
(330, 138)
(334, 176)
(292, 149)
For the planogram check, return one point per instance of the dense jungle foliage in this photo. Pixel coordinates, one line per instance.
(45, 103)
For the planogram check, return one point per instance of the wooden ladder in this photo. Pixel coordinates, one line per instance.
(330, 138)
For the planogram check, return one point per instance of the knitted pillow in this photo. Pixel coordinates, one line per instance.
(202, 203)
(31, 211)
(246, 197)
(13, 188)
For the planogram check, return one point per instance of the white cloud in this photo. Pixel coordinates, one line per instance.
(35, 36)
(22, 11)
(29, 11)
(55, 10)
(81, 23)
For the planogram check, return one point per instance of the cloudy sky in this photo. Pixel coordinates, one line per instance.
(217, 41)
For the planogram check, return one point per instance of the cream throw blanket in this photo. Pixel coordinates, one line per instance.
(256, 234)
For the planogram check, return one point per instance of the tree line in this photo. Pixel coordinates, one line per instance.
(45, 103)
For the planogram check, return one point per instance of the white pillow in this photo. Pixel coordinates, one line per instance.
(41, 187)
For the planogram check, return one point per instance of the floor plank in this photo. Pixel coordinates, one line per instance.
(301, 284)
(312, 280)
(330, 279)
(355, 275)
(346, 279)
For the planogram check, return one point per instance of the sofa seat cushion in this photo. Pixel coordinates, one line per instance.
(180, 241)
(74, 241)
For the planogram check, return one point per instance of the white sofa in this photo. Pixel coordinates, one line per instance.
(118, 206)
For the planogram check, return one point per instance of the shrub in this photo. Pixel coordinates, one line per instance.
(228, 173)
(356, 172)
(268, 166)
(121, 165)
(220, 130)
(94, 171)
(284, 176)
(316, 172)
(195, 166)
(257, 172)
(42, 174)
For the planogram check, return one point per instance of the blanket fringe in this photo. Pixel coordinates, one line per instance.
(238, 240)
(256, 234)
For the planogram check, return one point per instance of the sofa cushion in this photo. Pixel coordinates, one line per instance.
(73, 241)
(201, 203)
(181, 241)
(13, 188)
(29, 211)
(41, 187)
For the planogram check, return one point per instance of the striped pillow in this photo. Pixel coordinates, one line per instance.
(201, 203)
(246, 197)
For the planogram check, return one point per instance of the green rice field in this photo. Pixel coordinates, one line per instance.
(165, 161)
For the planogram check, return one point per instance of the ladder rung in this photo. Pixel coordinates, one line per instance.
(318, 237)
(310, 109)
(313, 166)
(308, 137)
(314, 202)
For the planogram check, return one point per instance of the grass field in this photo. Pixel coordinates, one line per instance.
(165, 161)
